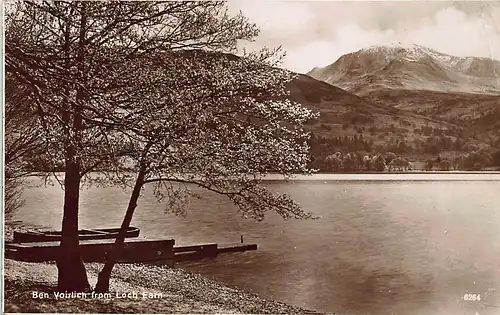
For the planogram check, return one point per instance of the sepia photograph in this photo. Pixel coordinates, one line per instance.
(251, 157)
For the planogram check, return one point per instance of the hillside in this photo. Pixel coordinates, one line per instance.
(446, 106)
(339, 107)
(349, 123)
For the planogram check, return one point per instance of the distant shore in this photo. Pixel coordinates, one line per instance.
(393, 176)
(135, 288)
(414, 172)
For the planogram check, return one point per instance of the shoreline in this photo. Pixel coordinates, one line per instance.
(29, 287)
(134, 288)
(413, 172)
(391, 176)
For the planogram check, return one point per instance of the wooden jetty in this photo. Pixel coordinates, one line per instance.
(236, 247)
(84, 234)
(134, 251)
(211, 250)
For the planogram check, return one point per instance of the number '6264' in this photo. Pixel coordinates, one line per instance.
(472, 297)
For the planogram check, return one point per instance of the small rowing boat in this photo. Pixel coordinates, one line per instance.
(85, 234)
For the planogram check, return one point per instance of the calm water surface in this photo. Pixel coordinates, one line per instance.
(379, 247)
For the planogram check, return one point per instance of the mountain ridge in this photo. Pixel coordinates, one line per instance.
(410, 68)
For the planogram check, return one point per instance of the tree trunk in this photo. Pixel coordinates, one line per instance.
(105, 274)
(72, 276)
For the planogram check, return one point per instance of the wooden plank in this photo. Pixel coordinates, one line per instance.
(195, 252)
(190, 253)
(180, 249)
(236, 247)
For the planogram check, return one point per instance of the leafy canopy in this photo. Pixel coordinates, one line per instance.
(148, 87)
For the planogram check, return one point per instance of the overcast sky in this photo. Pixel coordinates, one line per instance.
(316, 33)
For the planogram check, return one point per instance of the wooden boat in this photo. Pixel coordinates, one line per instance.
(90, 234)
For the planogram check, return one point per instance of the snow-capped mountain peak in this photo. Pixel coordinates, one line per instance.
(417, 67)
(411, 52)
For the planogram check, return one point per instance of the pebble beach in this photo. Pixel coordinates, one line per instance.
(134, 288)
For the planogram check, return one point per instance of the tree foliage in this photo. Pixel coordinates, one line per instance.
(21, 142)
(144, 87)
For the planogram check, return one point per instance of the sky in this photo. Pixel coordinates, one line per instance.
(317, 33)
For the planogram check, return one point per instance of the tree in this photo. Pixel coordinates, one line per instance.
(349, 162)
(481, 159)
(119, 90)
(496, 158)
(21, 140)
(429, 164)
(333, 163)
(222, 136)
(379, 163)
(399, 163)
(389, 156)
(70, 56)
(445, 165)
(367, 163)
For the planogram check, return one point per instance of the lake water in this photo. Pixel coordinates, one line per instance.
(379, 247)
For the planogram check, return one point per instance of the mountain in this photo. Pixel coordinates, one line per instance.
(411, 68)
